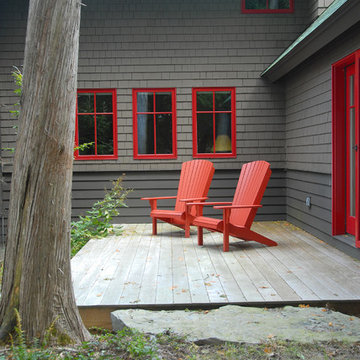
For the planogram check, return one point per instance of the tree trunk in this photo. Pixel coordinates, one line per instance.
(37, 275)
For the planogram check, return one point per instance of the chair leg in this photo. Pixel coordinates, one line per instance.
(226, 239)
(154, 226)
(187, 231)
(187, 227)
(200, 235)
(226, 217)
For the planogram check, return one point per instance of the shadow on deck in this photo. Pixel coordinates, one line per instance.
(169, 272)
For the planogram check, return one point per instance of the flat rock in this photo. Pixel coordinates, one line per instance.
(244, 324)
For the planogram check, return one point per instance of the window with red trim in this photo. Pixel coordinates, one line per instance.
(267, 6)
(154, 123)
(214, 122)
(96, 125)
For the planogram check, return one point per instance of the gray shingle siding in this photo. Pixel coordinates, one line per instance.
(308, 137)
(317, 7)
(133, 44)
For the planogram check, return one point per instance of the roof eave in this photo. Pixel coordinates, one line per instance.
(313, 40)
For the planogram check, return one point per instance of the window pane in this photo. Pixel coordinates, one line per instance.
(85, 103)
(283, 4)
(164, 134)
(86, 127)
(145, 102)
(223, 101)
(352, 163)
(351, 90)
(223, 133)
(104, 103)
(204, 101)
(205, 133)
(145, 133)
(163, 102)
(255, 4)
(104, 132)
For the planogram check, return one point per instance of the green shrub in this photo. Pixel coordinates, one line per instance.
(97, 221)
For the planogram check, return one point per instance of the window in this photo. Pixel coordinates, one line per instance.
(267, 6)
(154, 121)
(96, 125)
(214, 122)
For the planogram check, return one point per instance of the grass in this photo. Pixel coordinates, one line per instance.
(129, 344)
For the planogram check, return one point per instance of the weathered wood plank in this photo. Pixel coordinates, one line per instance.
(112, 294)
(138, 268)
(181, 290)
(197, 287)
(231, 288)
(164, 276)
(238, 272)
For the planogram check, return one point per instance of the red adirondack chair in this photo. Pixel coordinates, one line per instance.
(195, 179)
(239, 214)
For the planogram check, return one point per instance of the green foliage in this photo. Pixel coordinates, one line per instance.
(18, 78)
(19, 350)
(84, 146)
(97, 221)
(135, 343)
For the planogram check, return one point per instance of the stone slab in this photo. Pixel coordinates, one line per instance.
(244, 324)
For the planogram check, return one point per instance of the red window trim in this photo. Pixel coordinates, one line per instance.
(138, 156)
(267, 10)
(233, 123)
(338, 145)
(77, 156)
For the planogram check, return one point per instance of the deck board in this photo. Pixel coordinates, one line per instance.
(137, 269)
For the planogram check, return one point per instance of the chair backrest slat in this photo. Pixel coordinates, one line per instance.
(250, 189)
(195, 180)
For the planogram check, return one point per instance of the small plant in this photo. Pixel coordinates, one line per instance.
(84, 146)
(135, 343)
(97, 221)
(18, 78)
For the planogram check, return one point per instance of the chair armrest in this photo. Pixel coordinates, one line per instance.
(211, 203)
(238, 207)
(193, 199)
(158, 198)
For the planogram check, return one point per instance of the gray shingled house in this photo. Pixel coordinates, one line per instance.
(162, 82)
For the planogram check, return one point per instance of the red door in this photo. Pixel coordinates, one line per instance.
(351, 149)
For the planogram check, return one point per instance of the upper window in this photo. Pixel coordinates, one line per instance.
(96, 125)
(214, 122)
(154, 122)
(267, 6)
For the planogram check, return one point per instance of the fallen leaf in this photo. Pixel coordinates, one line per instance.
(184, 290)
(173, 287)
(270, 336)
(303, 306)
(330, 324)
(207, 284)
(98, 295)
(268, 350)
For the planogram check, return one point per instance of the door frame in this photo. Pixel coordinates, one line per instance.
(339, 145)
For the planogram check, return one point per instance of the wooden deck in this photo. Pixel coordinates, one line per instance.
(138, 269)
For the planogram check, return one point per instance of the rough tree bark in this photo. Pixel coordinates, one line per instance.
(37, 276)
